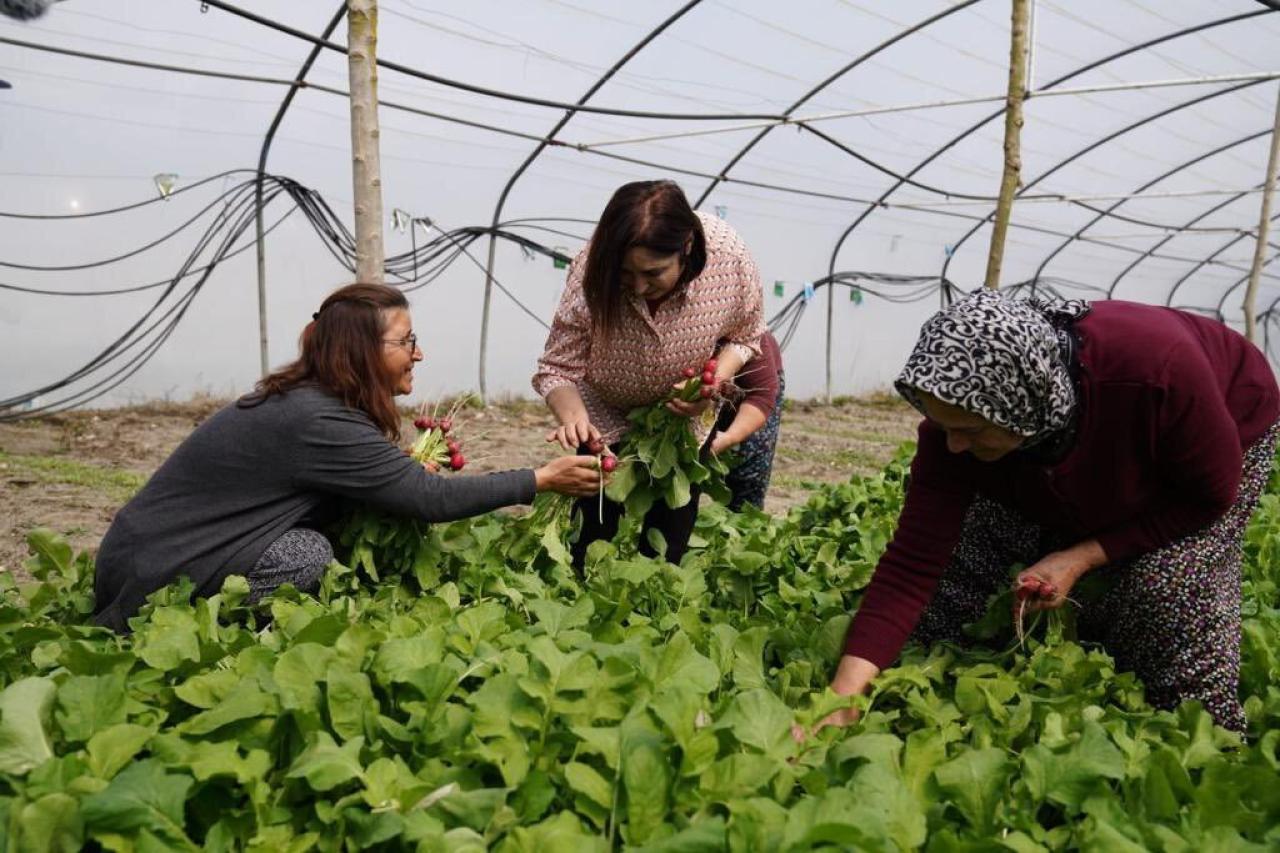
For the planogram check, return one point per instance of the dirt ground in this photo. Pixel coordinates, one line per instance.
(71, 472)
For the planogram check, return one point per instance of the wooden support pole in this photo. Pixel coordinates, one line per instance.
(366, 167)
(1012, 139)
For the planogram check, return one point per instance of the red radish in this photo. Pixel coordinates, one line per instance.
(456, 461)
(609, 464)
(710, 366)
(709, 377)
(453, 447)
(445, 425)
(706, 391)
(422, 423)
(595, 447)
(1029, 588)
(689, 373)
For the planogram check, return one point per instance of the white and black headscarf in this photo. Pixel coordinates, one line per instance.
(1003, 359)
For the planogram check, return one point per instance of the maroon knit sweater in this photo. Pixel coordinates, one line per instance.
(1168, 403)
(758, 378)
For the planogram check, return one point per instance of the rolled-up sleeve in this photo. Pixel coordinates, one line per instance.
(564, 358)
(760, 378)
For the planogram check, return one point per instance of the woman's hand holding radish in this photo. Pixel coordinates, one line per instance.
(684, 408)
(577, 476)
(1047, 584)
(687, 404)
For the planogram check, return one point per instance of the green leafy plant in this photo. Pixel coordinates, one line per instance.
(478, 696)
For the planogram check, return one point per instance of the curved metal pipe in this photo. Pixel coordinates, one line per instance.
(533, 155)
(1232, 289)
(1231, 199)
(824, 84)
(835, 252)
(1093, 146)
(1202, 264)
(257, 192)
(1187, 164)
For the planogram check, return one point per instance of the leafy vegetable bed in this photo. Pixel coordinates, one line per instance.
(478, 695)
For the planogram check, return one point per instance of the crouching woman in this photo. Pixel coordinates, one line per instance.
(246, 491)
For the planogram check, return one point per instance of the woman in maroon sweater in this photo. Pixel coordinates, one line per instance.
(1114, 437)
(749, 425)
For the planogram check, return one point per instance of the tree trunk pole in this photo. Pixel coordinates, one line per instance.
(1264, 224)
(362, 42)
(1012, 139)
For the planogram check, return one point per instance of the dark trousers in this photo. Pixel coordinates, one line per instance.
(675, 525)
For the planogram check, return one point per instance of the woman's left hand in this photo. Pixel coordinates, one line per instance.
(684, 408)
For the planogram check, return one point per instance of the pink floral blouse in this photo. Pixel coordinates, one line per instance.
(648, 352)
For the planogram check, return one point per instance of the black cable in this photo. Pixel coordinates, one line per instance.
(155, 66)
(232, 220)
(134, 206)
(141, 287)
(134, 252)
(526, 309)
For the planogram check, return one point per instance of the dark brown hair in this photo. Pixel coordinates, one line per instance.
(653, 215)
(341, 351)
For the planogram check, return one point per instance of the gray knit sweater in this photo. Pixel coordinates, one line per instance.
(252, 472)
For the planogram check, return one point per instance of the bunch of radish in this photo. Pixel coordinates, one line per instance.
(608, 464)
(661, 455)
(436, 442)
(1026, 590)
(697, 385)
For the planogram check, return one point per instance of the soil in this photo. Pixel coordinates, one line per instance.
(71, 472)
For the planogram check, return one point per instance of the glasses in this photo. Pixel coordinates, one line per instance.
(410, 343)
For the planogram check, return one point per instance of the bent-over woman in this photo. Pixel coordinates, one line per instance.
(653, 293)
(1112, 438)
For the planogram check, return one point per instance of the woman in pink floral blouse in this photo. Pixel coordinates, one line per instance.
(655, 290)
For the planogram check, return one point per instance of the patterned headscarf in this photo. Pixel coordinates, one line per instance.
(998, 358)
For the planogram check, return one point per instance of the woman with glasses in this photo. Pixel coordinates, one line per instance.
(247, 490)
(655, 291)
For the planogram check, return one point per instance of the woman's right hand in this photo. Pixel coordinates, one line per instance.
(723, 441)
(574, 434)
(853, 676)
(577, 476)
